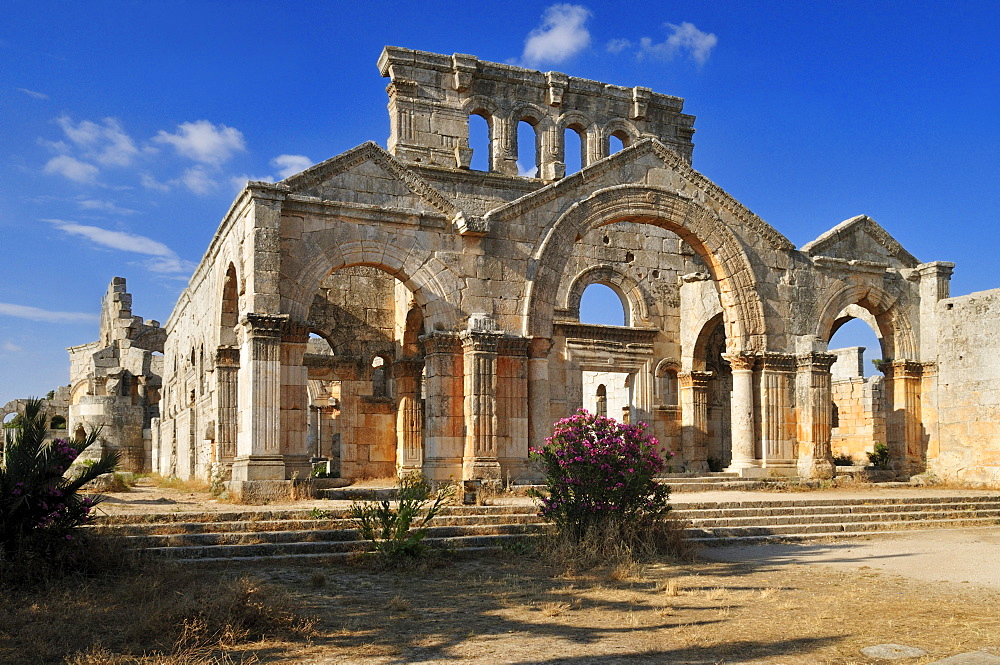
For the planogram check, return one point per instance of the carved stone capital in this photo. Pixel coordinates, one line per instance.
(478, 341)
(740, 362)
(227, 357)
(695, 379)
(557, 85)
(539, 347)
(512, 345)
(264, 325)
(294, 331)
(818, 362)
(441, 342)
(778, 362)
(900, 369)
(407, 367)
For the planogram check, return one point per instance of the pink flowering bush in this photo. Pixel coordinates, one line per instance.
(39, 505)
(600, 471)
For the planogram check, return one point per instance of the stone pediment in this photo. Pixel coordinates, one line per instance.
(861, 238)
(632, 166)
(369, 176)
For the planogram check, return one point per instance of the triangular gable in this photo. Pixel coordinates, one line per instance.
(860, 238)
(585, 179)
(368, 175)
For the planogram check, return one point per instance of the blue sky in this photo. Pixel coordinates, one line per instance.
(126, 128)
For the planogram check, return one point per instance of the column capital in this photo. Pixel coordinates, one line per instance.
(480, 341)
(407, 367)
(900, 369)
(696, 379)
(816, 361)
(539, 347)
(295, 331)
(227, 357)
(264, 325)
(740, 361)
(441, 342)
(778, 362)
(513, 345)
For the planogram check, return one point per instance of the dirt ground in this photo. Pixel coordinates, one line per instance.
(513, 607)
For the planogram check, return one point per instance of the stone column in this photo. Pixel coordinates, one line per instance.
(694, 419)
(227, 368)
(443, 418)
(775, 410)
(349, 374)
(502, 144)
(741, 407)
(479, 344)
(814, 402)
(553, 165)
(409, 416)
(295, 400)
(539, 396)
(258, 452)
(905, 433)
(512, 405)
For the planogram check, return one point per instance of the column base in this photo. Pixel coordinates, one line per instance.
(743, 467)
(259, 467)
(816, 469)
(261, 492)
(481, 468)
(442, 469)
(297, 466)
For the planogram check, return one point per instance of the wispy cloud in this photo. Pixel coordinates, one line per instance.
(109, 207)
(165, 259)
(11, 347)
(562, 34)
(198, 180)
(72, 168)
(37, 314)
(34, 94)
(684, 39)
(618, 45)
(289, 165)
(106, 143)
(204, 142)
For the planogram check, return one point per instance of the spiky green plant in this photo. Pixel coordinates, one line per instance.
(398, 532)
(39, 503)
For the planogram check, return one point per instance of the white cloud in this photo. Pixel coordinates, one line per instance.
(683, 39)
(289, 165)
(164, 261)
(240, 181)
(107, 144)
(198, 180)
(128, 242)
(36, 314)
(526, 171)
(618, 45)
(204, 142)
(33, 93)
(109, 207)
(11, 347)
(149, 182)
(72, 168)
(561, 35)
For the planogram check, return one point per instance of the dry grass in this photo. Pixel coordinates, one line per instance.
(172, 482)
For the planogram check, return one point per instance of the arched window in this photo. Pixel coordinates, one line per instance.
(58, 422)
(616, 142)
(602, 305)
(380, 377)
(479, 141)
(668, 387)
(602, 400)
(527, 150)
(573, 148)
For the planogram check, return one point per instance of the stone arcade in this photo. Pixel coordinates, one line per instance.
(392, 309)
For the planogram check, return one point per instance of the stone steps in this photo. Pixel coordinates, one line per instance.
(319, 535)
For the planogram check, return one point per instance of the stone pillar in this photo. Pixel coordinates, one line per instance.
(443, 418)
(479, 344)
(503, 144)
(741, 406)
(512, 405)
(295, 400)
(351, 385)
(409, 416)
(814, 402)
(227, 368)
(694, 419)
(905, 432)
(553, 165)
(775, 410)
(258, 452)
(539, 396)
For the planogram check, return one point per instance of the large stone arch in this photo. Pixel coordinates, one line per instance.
(697, 226)
(435, 286)
(894, 327)
(640, 302)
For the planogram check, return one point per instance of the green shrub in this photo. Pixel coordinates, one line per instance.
(398, 532)
(39, 504)
(597, 471)
(880, 458)
(843, 460)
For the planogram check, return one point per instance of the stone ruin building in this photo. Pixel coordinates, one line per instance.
(390, 310)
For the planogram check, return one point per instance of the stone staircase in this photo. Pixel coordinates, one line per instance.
(330, 535)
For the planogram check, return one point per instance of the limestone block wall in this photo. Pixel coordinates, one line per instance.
(968, 388)
(861, 417)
